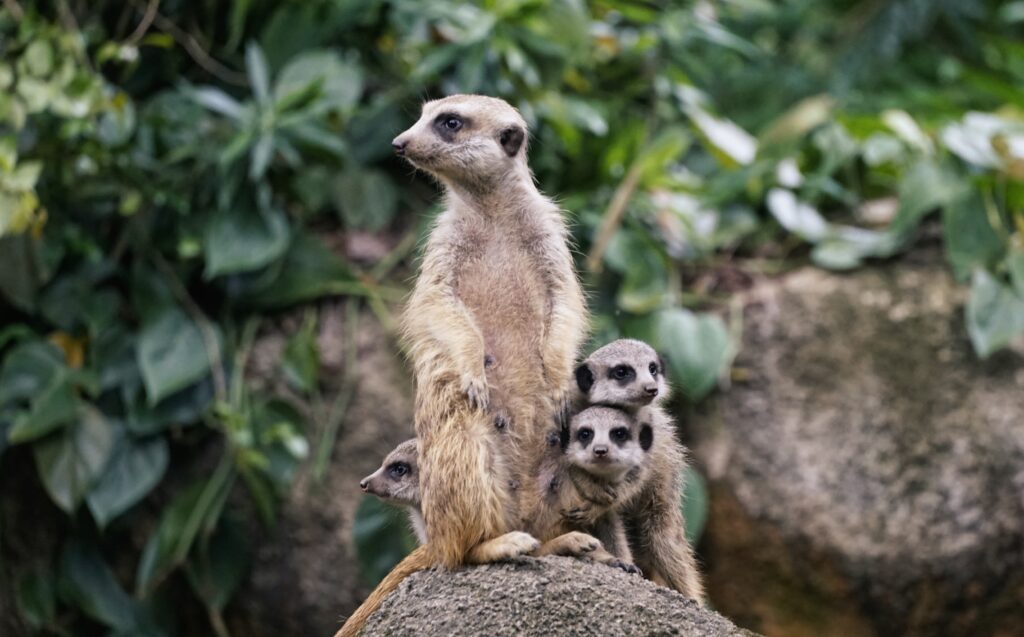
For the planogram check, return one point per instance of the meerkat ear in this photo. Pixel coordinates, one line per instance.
(646, 436)
(584, 378)
(512, 139)
(661, 362)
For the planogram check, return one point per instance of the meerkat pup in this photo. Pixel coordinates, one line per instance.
(629, 374)
(397, 482)
(601, 452)
(497, 305)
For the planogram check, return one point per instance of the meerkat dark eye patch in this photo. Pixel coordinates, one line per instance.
(620, 435)
(584, 378)
(511, 139)
(398, 470)
(646, 437)
(623, 374)
(585, 435)
(446, 125)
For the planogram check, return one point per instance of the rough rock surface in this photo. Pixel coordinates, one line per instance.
(541, 597)
(867, 475)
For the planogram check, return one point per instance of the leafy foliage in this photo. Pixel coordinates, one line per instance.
(168, 178)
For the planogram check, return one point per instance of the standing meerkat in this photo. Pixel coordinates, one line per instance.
(397, 482)
(497, 304)
(629, 374)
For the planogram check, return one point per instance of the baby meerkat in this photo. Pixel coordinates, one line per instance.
(492, 329)
(629, 374)
(397, 481)
(601, 451)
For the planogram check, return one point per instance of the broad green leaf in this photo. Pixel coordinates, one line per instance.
(796, 216)
(970, 239)
(277, 440)
(244, 238)
(309, 271)
(733, 144)
(194, 508)
(262, 154)
(135, 468)
(847, 246)
(696, 347)
(171, 354)
(799, 120)
(87, 580)
(54, 407)
(925, 187)
(28, 368)
(366, 198)
(995, 314)
(37, 598)
(301, 357)
(1015, 264)
(645, 277)
(38, 58)
(695, 504)
(218, 101)
(340, 82)
(19, 283)
(70, 462)
(217, 568)
(382, 538)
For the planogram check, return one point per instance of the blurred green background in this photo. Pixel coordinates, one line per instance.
(175, 176)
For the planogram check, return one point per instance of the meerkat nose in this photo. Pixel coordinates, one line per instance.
(363, 484)
(399, 145)
(652, 390)
(600, 450)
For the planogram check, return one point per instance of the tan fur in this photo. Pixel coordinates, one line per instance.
(654, 522)
(579, 486)
(497, 280)
(397, 482)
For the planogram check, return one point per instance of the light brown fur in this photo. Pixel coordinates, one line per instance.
(654, 522)
(497, 280)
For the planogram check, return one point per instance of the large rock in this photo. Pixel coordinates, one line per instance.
(867, 474)
(541, 597)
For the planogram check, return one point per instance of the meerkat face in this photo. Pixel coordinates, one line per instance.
(469, 140)
(625, 373)
(604, 441)
(398, 478)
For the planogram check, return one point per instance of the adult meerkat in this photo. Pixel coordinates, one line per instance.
(629, 374)
(497, 284)
(397, 482)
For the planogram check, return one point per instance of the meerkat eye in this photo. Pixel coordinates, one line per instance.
(584, 435)
(622, 372)
(654, 369)
(399, 469)
(453, 123)
(620, 434)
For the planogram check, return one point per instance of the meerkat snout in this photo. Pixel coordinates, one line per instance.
(600, 450)
(651, 390)
(364, 484)
(399, 145)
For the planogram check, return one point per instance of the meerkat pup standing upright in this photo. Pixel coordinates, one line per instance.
(629, 374)
(397, 482)
(497, 304)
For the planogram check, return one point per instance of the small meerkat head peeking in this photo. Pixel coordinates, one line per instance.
(624, 373)
(604, 441)
(398, 478)
(472, 141)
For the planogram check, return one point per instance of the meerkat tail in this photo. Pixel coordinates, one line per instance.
(419, 560)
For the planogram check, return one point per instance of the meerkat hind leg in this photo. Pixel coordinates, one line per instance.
(584, 545)
(503, 547)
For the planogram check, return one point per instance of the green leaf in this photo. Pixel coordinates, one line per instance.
(259, 74)
(135, 468)
(798, 217)
(925, 187)
(216, 570)
(301, 357)
(56, 406)
(195, 508)
(19, 282)
(28, 368)
(37, 598)
(244, 238)
(71, 462)
(695, 504)
(87, 580)
(366, 198)
(970, 239)
(309, 271)
(1015, 264)
(340, 82)
(644, 269)
(262, 154)
(696, 347)
(171, 354)
(995, 314)
(218, 101)
(382, 538)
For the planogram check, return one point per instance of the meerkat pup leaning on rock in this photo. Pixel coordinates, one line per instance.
(497, 305)
(397, 482)
(629, 374)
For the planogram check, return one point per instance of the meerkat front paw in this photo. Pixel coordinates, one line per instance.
(475, 388)
(632, 569)
(519, 543)
(577, 515)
